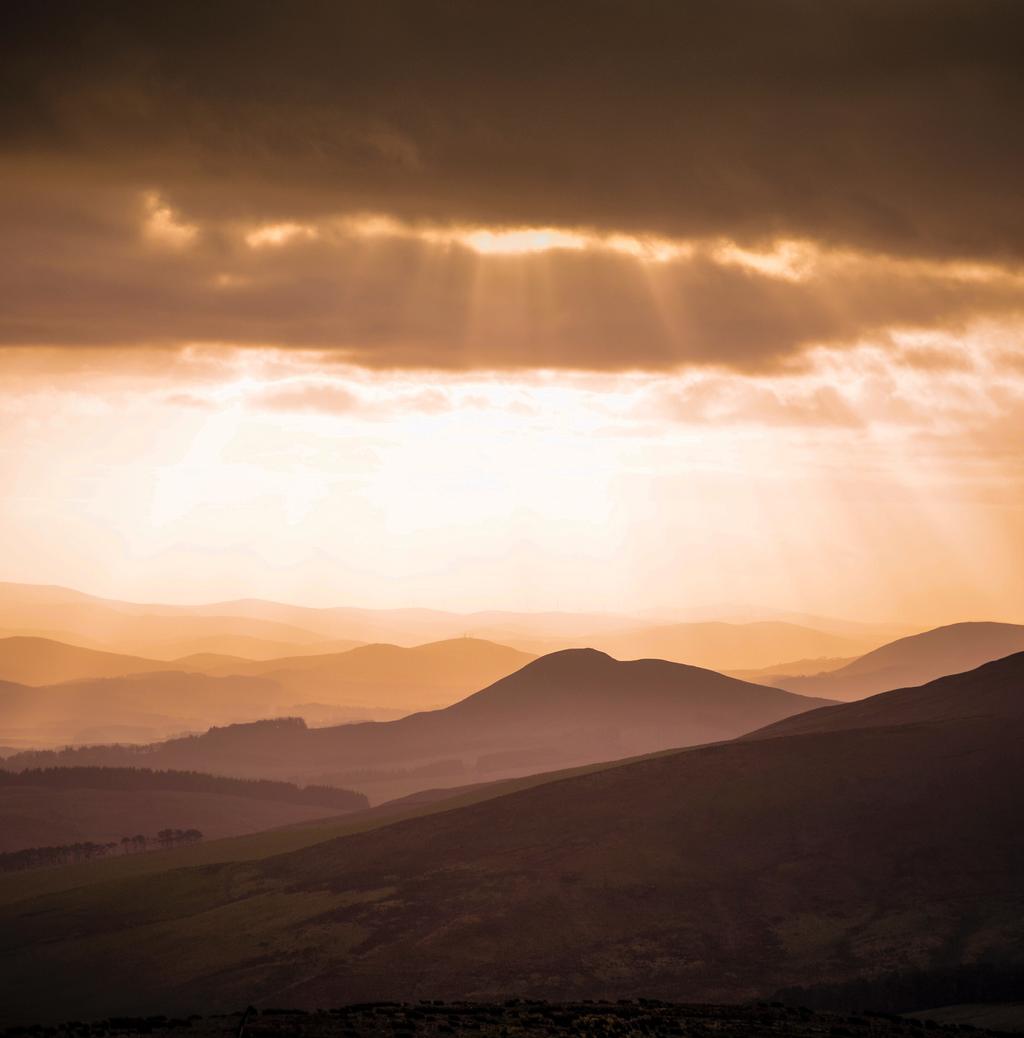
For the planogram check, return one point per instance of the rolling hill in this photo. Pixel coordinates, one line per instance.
(161, 632)
(133, 708)
(90, 696)
(792, 668)
(416, 678)
(236, 627)
(992, 690)
(71, 805)
(911, 661)
(723, 872)
(43, 661)
(726, 646)
(570, 707)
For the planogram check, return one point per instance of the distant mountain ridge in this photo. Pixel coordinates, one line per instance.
(570, 707)
(43, 661)
(912, 660)
(725, 646)
(993, 690)
(720, 873)
(237, 627)
(83, 695)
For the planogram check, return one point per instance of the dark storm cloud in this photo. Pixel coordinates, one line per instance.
(893, 128)
(85, 276)
(895, 124)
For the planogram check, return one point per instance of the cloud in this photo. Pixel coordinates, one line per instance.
(591, 185)
(84, 268)
(318, 395)
(889, 125)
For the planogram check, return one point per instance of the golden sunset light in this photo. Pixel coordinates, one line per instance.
(513, 518)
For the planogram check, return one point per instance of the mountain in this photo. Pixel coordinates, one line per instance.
(720, 873)
(727, 646)
(414, 626)
(81, 703)
(793, 668)
(567, 708)
(156, 631)
(228, 627)
(41, 661)
(244, 646)
(415, 678)
(735, 613)
(992, 690)
(912, 661)
(132, 708)
(101, 805)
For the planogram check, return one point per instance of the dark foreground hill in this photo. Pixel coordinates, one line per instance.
(721, 873)
(911, 661)
(61, 806)
(531, 1019)
(994, 689)
(567, 708)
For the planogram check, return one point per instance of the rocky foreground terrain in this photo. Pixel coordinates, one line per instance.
(644, 1017)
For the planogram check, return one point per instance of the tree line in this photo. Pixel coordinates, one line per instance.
(75, 853)
(132, 779)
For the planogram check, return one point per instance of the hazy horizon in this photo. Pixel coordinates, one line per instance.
(511, 501)
(689, 315)
(723, 612)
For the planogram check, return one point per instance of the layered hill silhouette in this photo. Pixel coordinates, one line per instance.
(259, 629)
(101, 805)
(911, 661)
(992, 690)
(566, 708)
(131, 708)
(159, 631)
(793, 668)
(94, 696)
(414, 678)
(727, 646)
(723, 872)
(44, 661)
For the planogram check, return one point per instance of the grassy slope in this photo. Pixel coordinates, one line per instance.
(31, 816)
(566, 709)
(716, 873)
(23, 886)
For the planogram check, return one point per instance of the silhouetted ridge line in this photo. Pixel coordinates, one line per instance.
(122, 779)
(572, 707)
(993, 690)
(913, 660)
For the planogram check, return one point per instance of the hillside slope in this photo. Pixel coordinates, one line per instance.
(994, 689)
(912, 661)
(726, 646)
(43, 661)
(719, 873)
(417, 678)
(567, 708)
(134, 708)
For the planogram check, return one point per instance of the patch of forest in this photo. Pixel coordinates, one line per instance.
(144, 779)
(87, 850)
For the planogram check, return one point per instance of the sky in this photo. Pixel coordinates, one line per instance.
(617, 306)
